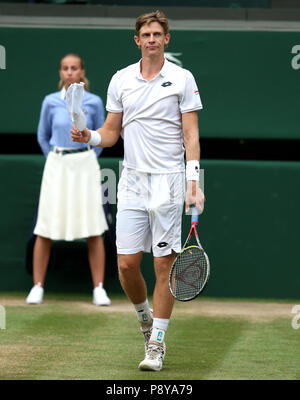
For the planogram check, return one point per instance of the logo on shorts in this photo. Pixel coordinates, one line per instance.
(162, 244)
(166, 84)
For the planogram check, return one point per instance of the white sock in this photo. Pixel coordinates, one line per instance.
(143, 311)
(160, 325)
(100, 285)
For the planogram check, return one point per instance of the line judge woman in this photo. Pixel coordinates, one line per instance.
(70, 204)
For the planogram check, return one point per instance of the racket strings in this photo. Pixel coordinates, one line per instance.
(189, 274)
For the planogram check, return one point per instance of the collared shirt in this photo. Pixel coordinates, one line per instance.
(152, 115)
(63, 93)
(55, 122)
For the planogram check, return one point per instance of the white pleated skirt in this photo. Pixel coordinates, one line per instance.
(70, 205)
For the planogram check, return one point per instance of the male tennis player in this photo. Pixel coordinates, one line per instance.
(154, 103)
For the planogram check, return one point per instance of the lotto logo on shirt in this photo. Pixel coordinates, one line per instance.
(196, 91)
(166, 84)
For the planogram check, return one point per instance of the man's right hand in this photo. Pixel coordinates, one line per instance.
(80, 136)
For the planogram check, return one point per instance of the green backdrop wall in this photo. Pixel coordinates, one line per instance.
(159, 3)
(248, 80)
(249, 228)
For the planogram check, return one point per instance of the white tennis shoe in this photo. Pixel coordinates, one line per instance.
(100, 297)
(155, 355)
(35, 295)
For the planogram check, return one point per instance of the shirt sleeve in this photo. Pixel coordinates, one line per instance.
(114, 102)
(190, 99)
(98, 121)
(44, 128)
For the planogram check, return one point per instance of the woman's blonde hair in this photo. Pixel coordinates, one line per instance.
(61, 83)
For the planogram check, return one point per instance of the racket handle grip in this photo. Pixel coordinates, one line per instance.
(194, 215)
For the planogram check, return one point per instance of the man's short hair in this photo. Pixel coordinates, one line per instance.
(156, 16)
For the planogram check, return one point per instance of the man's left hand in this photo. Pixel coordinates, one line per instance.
(194, 196)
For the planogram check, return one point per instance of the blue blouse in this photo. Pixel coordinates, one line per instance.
(55, 122)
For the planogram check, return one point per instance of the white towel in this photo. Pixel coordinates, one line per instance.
(74, 98)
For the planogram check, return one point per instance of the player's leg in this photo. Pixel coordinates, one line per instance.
(134, 286)
(133, 238)
(163, 303)
(41, 255)
(131, 278)
(96, 254)
(165, 220)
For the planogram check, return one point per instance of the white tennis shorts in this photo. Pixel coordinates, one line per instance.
(149, 212)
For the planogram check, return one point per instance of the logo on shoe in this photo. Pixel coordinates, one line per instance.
(145, 317)
(160, 336)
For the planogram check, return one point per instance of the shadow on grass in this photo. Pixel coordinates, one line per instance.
(197, 345)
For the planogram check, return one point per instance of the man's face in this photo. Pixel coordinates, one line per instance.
(151, 39)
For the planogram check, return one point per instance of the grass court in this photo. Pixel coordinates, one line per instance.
(68, 338)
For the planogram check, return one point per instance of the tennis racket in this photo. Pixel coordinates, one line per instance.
(190, 271)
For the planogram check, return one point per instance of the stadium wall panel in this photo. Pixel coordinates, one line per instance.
(248, 80)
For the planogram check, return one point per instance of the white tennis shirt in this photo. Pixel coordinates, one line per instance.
(152, 123)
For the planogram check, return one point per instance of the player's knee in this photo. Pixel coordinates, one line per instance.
(123, 267)
(127, 265)
(165, 262)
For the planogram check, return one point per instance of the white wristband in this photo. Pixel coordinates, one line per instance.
(95, 138)
(192, 170)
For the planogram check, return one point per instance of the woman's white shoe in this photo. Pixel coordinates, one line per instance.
(100, 297)
(35, 295)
